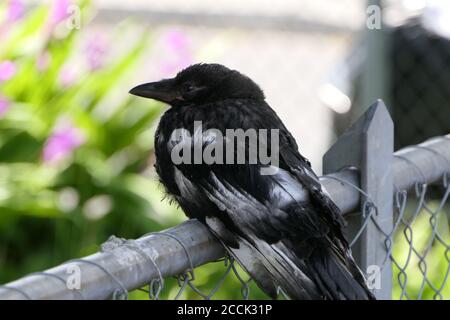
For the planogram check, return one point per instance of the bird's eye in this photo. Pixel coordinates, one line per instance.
(188, 87)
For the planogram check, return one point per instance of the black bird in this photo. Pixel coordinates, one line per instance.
(282, 228)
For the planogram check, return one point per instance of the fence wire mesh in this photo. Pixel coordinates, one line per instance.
(417, 248)
(421, 242)
(186, 281)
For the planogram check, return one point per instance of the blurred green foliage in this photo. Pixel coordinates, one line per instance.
(76, 150)
(44, 193)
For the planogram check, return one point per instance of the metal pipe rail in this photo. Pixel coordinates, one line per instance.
(426, 162)
(134, 263)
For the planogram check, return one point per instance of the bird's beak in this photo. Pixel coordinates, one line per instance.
(163, 91)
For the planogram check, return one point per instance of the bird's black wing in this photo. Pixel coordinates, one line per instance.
(291, 160)
(251, 231)
(282, 228)
(326, 213)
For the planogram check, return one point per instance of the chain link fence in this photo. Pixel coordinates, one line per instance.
(406, 62)
(420, 242)
(417, 248)
(412, 240)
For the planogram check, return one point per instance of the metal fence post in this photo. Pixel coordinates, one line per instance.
(368, 145)
(375, 77)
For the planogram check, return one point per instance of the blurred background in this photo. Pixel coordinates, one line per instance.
(76, 159)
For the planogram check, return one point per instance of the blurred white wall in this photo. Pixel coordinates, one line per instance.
(288, 48)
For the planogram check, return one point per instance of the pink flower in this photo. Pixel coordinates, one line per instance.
(67, 76)
(62, 142)
(4, 105)
(43, 61)
(60, 11)
(177, 52)
(95, 51)
(7, 70)
(176, 40)
(16, 9)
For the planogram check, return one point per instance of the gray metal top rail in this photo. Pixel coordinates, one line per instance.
(133, 263)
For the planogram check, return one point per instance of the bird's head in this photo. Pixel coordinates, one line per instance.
(201, 83)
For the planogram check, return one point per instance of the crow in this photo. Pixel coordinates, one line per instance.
(280, 224)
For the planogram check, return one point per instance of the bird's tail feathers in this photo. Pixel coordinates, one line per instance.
(267, 265)
(326, 273)
(338, 275)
